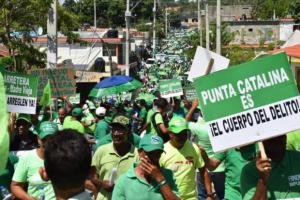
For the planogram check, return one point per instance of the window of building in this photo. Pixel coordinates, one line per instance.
(250, 29)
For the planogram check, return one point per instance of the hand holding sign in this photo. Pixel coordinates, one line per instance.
(249, 102)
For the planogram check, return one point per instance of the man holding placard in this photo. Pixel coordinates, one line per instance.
(275, 177)
(245, 104)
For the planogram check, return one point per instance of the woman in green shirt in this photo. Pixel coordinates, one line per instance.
(27, 170)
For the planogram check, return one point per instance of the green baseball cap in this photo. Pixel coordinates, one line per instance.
(122, 120)
(24, 117)
(47, 128)
(177, 124)
(151, 142)
(77, 112)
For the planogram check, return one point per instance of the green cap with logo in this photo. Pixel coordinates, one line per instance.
(77, 112)
(177, 124)
(24, 117)
(151, 142)
(121, 120)
(47, 128)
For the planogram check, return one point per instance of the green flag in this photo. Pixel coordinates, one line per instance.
(46, 98)
(4, 138)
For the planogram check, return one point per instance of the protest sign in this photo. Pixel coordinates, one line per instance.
(61, 80)
(21, 92)
(90, 77)
(249, 102)
(4, 136)
(201, 61)
(190, 94)
(170, 88)
(74, 99)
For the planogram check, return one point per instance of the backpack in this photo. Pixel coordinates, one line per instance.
(164, 136)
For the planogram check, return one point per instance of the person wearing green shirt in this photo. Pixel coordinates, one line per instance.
(67, 165)
(147, 125)
(218, 175)
(275, 177)
(102, 126)
(159, 124)
(27, 170)
(142, 116)
(184, 158)
(74, 121)
(133, 138)
(147, 177)
(293, 141)
(113, 159)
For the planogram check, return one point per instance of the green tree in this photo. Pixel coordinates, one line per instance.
(238, 55)
(264, 9)
(24, 17)
(19, 19)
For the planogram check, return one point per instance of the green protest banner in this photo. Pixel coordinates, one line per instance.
(4, 136)
(170, 88)
(74, 99)
(249, 102)
(61, 80)
(190, 94)
(21, 92)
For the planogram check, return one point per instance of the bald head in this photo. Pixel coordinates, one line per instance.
(62, 114)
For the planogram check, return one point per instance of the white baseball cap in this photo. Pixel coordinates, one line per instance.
(100, 111)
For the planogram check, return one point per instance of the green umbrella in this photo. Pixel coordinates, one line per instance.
(114, 90)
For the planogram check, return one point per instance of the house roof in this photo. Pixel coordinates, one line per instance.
(292, 51)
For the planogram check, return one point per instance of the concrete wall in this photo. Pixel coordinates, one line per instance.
(253, 33)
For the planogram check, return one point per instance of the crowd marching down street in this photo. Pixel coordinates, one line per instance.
(231, 134)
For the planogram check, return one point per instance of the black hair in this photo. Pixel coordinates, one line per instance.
(143, 103)
(67, 159)
(161, 103)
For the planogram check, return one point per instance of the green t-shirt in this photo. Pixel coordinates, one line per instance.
(88, 119)
(133, 138)
(158, 120)
(199, 129)
(27, 171)
(293, 141)
(143, 115)
(130, 185)
(148, 119)
(283, 182)
(102, 129)
(105, 159)
(234, 164)
(183, 163)
(7, 174)
(70, 123)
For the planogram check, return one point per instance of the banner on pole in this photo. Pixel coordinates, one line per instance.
(21, 92)
(250, 102)
(61, 80)
(74, 99)
(170, 88)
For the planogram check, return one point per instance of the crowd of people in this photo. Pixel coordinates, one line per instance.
(136, 150)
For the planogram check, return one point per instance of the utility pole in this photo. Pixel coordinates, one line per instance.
(52, 36)
(127, 19)
(199, 23)
(154, 26)
(218, 42)
(95, 16)
(207, 25)
(166, 23)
